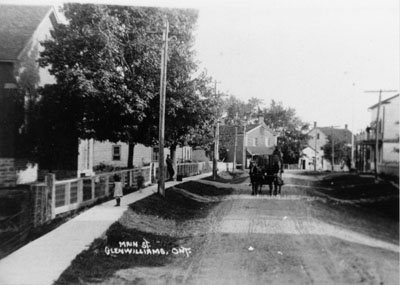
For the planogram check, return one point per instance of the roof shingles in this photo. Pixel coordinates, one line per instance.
(17, 25)
(338, 134)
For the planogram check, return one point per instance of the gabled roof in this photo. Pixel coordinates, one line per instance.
(260, 150)
(250, 127)
(383, 102)
(231, 129)
(338, 134)
(17, 25)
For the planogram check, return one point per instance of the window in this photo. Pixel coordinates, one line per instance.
(255, 141)
(116, 152)
(267, 141)
(154, 156)
(317, 136)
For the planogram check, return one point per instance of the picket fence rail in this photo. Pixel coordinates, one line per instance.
(53, 197)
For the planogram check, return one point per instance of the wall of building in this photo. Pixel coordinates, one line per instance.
(256, 137)
(391, 169)
(142, 155)
(390, 152)
(102, 154)
(306, 161)
(95, 153)
(391, 119)
(315, 142)
(18, 78)
(41, 34)
(260, 134)
(7, 110)
(8, 175)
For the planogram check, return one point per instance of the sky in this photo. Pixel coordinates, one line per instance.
(315, 56)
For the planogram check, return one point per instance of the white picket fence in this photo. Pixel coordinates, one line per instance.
(54, 197)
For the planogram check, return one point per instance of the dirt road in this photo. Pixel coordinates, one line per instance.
(292, 239)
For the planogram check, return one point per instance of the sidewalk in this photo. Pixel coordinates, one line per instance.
(43, 260)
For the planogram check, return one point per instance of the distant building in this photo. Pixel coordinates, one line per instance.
(258, 140)
(318, 138)
(94, 154)
(387, 131)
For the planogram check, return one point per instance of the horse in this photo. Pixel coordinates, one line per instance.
(269, 172)
(274, 176)
(256, 179)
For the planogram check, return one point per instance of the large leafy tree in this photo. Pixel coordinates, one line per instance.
(107, 64)
(291, 130)
(342, 151)
(191, 115)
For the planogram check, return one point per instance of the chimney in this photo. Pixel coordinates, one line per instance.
(260, 119)
(315, 125)
(345, 126)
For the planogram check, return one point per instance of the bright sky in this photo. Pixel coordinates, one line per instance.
(316, 56)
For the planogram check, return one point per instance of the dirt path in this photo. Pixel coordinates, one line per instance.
(274, 240)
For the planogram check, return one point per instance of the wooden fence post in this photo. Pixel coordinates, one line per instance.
(68, 193)
(93, 186)
(130, 178)
(80, 191)
(107, 186)
(50, 181)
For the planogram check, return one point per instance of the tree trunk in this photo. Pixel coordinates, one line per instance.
(131, 149)
(172, 150)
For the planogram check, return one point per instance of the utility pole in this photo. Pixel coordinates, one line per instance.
(333, 148)
(235, 144)
(244, 145)
(377, 128)
(163, 85)
(246, 117)
(216, 140)
(315, 149)
(234, 152)
(333, 152)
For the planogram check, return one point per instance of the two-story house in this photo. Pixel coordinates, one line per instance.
(312, 156)
(22, 28)
(383, 131)
(252, 140)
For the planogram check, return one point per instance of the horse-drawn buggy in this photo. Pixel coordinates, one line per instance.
(266, 170)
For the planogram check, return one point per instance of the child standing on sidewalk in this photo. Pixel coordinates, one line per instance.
(117, 190)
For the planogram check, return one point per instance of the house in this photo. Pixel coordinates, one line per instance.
(314, 153)
(93, 154)
(307, 158)
(259, 140)
(386, 134)
(22, 28)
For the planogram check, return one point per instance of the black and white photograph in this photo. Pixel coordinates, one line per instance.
(199, 142)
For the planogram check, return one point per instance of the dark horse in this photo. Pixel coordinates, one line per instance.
(268, 172)
(256, 179)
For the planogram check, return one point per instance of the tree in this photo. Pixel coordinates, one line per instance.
(342, 151)
(291, 129)
(108, 60)
(191, 114)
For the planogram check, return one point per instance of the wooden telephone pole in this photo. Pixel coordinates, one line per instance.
(333, 148)
(216, 140)
(161, 130)
(377, 128)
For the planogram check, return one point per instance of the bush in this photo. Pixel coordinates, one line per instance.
(102, 167)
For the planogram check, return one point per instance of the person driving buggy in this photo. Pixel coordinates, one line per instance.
(274, 172)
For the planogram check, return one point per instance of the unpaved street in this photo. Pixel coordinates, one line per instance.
(292, 239)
